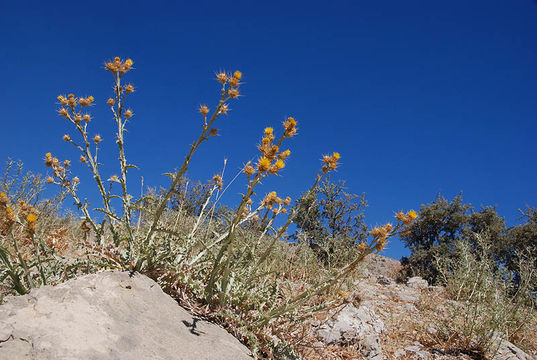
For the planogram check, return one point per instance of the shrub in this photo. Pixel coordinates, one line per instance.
(489, 305)
(331, 222)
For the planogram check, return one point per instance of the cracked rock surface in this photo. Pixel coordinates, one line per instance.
(107, 316)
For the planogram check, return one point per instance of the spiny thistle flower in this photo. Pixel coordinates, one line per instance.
(263, 164)
(277, 166)
(284, 154)
(270, 199)
(221, 77)
(78, 119)
(234, 82)
(62, 100)
(249, 170)
(48, 160)
(97, 139)
(218, 181)
(129, 88)
(331, 162)
(233, 93)
(289, 126)
(406, 218)
(63, 112)
(204, 110)
(128, 113)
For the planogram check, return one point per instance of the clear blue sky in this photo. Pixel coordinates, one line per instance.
(419, 97)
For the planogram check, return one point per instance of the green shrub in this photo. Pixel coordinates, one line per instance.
(490, 305)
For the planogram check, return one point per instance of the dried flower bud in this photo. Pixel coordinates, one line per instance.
(204, 110)
(67, 163)
(66, 137)
(287, 201)
(129, 88)
(233, 82)
(222, 78)
(50, 180)
(128, 113)
(218, 181)
(86, 118)
(82, 159)
(76, 180)
(213, 132)
(233, 93)
(78, 119)
(63, 112)
(249, 170)
(97, 139)
(110, 102)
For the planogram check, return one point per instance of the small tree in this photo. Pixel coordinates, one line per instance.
(331, 220)
(440, 225)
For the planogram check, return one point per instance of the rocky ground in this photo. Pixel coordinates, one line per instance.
(388, 319)
(116, 316)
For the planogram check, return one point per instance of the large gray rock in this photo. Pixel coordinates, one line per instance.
(355, 325)
(108, 316)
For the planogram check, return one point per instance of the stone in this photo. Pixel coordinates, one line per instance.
(355, 325)
(105, 316)
(417, 282)
(383, 280)
(508, 351)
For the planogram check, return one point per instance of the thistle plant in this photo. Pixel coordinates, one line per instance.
(219, 265)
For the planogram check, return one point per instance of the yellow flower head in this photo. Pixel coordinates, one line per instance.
(91, 98)
(263, 164)
(237, 75)
(269, 131)
(336, 156)
(31, 218)
(413, 215)
(280, 164)
(129, 62)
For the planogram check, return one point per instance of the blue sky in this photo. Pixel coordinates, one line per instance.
(419, 97)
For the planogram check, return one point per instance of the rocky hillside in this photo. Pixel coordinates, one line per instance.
(117, 316)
